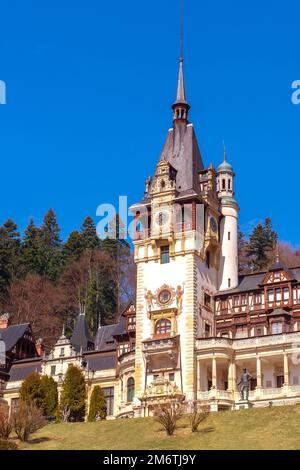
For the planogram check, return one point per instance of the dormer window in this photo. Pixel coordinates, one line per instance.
(62, 352)
(276, 328)
(271, 295)
(286, 293)
(278, 295)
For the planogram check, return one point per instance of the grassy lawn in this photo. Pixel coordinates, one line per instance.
(267, 428)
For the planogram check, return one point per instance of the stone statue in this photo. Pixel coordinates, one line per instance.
(244, 384)
(179, 293)
(149, 299)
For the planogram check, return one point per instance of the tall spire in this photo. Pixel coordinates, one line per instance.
(181, 106)
(225, 152)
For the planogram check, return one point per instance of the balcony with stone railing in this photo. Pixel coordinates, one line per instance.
(126, 358)
(244, 343)
(255, 396)
(159, 344)
(161, 352)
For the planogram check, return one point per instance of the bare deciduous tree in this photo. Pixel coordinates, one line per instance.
(5, 423)
(26, 420)
(197, 416)
(168, 415)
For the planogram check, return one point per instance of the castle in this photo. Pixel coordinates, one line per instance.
(195, 323)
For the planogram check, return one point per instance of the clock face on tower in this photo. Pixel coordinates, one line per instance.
(164, 296)
(162, 218)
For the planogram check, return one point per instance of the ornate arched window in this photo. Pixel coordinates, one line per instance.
(163, 327)
(130, 389)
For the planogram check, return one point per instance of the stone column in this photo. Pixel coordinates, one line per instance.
(199, 376)
(233, 368)
(214, 373)
(258, 372)
(229, 376)
(286, 369)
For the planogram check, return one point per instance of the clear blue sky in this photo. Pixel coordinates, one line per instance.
(89, 89)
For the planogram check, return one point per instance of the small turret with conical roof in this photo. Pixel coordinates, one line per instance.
(228, 226)
(225, 182)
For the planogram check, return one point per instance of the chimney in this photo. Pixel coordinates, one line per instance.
(4, 321)
(39, 347)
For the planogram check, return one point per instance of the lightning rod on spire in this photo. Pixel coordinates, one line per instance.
(181, 31)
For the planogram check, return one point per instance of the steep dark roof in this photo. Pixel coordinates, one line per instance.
(21, 369)
(120, 329)
(279, 312)
(104, 340)
(279, 266)
(101, 361)
(12, 334)
(81, 337)
(250, 282)
(182, 152)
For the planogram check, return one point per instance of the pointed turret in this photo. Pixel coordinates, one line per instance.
(181, 106)
(226, 181)
(81, 336)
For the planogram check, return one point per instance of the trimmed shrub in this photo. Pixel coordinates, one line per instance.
(73, 395)
(49, 396)
(98, 409)
(42, 391)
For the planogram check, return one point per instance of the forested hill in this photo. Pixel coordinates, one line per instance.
(46, 281)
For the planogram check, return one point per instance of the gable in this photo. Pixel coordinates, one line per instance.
(276, 277)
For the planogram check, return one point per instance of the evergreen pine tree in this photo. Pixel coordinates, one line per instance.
(49, 396)
(261, 245)
(98, 408)
(73, 247)
(89, 237)
(31, 250)
(73, 394)
(31, 389)
(51, 246)
(119, 249)
(9, 254)
(42, 391)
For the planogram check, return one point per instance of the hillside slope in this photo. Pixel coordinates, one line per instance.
(268, 428)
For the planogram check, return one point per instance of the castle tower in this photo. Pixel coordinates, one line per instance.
(228, 226)
(177, 253)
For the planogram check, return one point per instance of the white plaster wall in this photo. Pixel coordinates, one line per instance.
(229, 248)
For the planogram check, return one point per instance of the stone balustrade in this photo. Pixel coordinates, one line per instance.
(271, 393)
(243, 343)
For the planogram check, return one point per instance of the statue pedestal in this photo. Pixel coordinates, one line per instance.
(243, 405)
